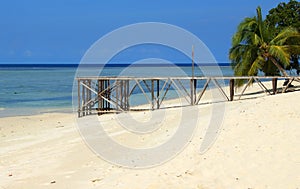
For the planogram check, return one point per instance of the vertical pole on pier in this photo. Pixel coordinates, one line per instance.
(117, 94)
(108, 93)
(121, 94)
(231, 89)
(106, 104)
(193, 89)
(274, 85)
(105, 94)
(127, 95)
(79, 97)
(89, 97)
(98, 97)
(152, 93)
(83, 99)
(157, 93)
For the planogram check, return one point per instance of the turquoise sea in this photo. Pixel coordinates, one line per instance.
(33, 89)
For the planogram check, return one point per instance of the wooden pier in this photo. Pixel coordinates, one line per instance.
(100, 95)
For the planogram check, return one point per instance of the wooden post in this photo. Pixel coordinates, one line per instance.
(89, 97)
(83, 99)
(127, 95)
(79, 99)
(108, 94)
(152, 93)
(274, 85)
(231, 89)
(195, 91)
(157, 93)
(98, 96)
(121, 94)
(117, 94)
(105, 95)
(192, 91)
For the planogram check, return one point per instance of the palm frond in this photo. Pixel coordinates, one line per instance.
(280, 53)
(256, 65)
(293, 49)
(284, 35)
(244, 31)
(256, 39)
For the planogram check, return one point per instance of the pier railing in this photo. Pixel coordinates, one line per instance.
(100, 95)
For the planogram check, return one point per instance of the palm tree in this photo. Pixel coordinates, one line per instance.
(255, 47)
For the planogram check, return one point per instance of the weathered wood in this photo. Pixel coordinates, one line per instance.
(192, 91)
(182, 86)
(220, 89)
(195, 91)
(89, 97)
(111, 94)
(179, 90)
(288, 84)
(262, 86)
(246, 86)
(127, 106)
(157, 93)
(167, 89)
(231, 89)
(203, 90)
(188, 78)
(100, 100)
(152, 94)
(83, 99)
(79, 98)
(274, 85)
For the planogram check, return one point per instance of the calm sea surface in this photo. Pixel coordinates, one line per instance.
(35, 89)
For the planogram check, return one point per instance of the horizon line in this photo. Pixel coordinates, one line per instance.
(108, 64)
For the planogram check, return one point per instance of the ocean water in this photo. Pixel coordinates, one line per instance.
(27, 90)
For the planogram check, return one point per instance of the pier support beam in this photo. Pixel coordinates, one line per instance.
(274, 85)
(100, 95)
(231, 89)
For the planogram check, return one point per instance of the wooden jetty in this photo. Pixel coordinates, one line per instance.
(100, 95)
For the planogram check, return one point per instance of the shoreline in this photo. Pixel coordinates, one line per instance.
(253, 92)
(33, 111)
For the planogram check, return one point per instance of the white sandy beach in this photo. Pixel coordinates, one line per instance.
(258, 147)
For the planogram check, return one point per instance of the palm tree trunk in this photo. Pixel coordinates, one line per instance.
(278, 66)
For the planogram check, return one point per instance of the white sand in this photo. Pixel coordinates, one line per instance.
(258, 147)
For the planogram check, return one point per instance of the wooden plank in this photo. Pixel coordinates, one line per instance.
(188, 78)
(182, 86)
(203, 91)
(139, 85)
(287, 86)
(220, 89)
(167, 89)
(179, 90)
(246, 86)
(262, 86)
(92, 90)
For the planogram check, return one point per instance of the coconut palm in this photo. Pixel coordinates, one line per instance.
(255, 47)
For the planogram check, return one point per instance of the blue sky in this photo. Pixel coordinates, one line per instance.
(60, 31)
